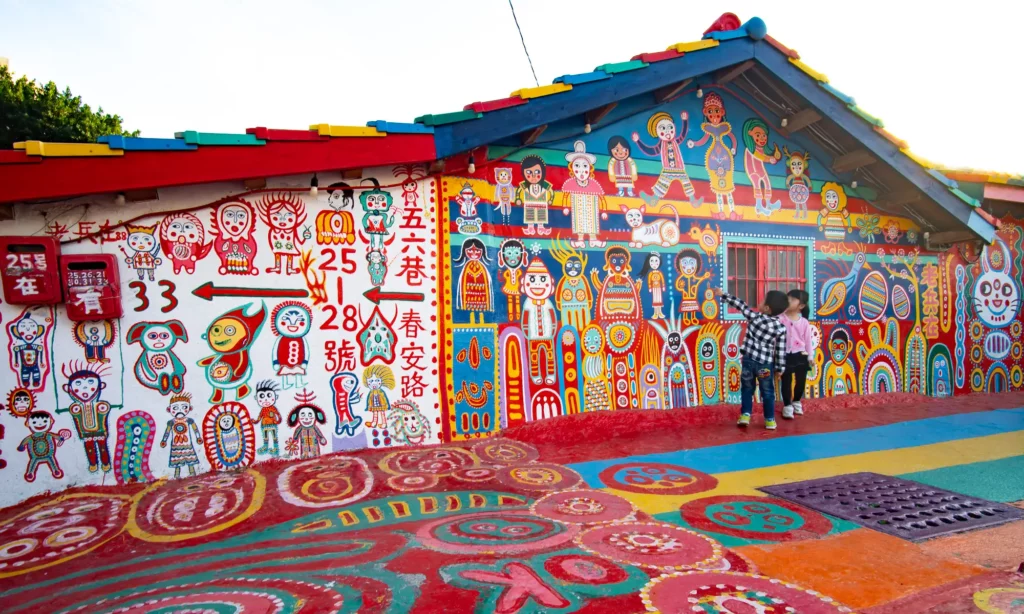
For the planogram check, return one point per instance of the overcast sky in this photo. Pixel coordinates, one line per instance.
(947, 77)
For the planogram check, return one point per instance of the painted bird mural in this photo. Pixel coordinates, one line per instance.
(833, 291)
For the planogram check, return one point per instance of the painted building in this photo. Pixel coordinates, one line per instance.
(288, 293)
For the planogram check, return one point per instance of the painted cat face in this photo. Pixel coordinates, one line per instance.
(634, 218)
(503, 175)
(996, 299)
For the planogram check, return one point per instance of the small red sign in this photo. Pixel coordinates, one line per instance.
(92, 287)
(29, 271)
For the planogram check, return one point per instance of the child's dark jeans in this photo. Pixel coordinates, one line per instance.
(757, 374)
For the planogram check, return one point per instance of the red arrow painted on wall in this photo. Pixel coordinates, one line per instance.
(376, 296)
(208, 291)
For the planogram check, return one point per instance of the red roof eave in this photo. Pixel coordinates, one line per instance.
(54, 177)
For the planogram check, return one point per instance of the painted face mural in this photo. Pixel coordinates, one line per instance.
(538, 284)
(996, 295)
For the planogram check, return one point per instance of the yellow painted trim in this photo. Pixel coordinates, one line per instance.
(889, 462)
(916, 158)
(693, 46)
(545, 90)
(817, 76)
(67, 150)
(343, 131)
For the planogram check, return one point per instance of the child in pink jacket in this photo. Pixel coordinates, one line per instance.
(799, 347)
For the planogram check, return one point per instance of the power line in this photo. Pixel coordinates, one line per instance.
(524, 43)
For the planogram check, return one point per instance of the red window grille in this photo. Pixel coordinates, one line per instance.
(755, 269)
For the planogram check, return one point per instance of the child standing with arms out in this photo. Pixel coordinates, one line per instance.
(764, 353)
(798, 348)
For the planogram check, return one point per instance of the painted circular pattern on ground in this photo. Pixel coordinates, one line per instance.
(1000, 600)
(656, 479)
(177, 510)
(650, 544)
(475, 474)
(751, 517)
(435, 461)
(412, 482)
(731, 561)
(584, 569)
(497, 533)
(505, 452)
(539, 476)
(583, 506)
(59, 530)
(723, 591)
(328, 481)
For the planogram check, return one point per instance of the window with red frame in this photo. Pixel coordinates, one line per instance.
(755, 269)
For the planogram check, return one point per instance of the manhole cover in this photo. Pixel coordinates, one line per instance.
(906, 509)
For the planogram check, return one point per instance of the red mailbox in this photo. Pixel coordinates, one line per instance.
(29, 271)
(92, 287)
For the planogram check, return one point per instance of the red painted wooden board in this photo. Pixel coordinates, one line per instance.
(17, 156)
(274, 134)
(657, 56)
(494, 105)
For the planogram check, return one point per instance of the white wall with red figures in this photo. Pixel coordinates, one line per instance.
(257, 324)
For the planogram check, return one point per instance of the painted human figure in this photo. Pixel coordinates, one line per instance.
(233, 223)
(145, 251)
(597, 395)
(834, 218)
(345, 387)
(504, 192)
(269, 418)
(179, 431)
(573, 295)
(291, 321)
(305, 419)
(376, 266)
(511, 261)
(182, 241)
(618, 296)
(540, 321)
(583, 197)
(95, 337)
(376, 378)
(28, 350)
(41, 445)
(673, 169)
(755, 139)
(468, 200)
(284, 213)
(231, 336)
(621, 167)
(89, 413)
(688, 280)
(475, 292)
(840, 376)
(798, 180)
(535, 195)
(651, 272)
(377, 215)
(718, 160)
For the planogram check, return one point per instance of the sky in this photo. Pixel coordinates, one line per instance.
(944, 76)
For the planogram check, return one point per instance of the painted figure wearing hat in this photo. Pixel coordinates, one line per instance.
(661, 126)
(583, 196)
(718, 160)
(618, 295)
(535, 194)
(540, 321)
(231, 336)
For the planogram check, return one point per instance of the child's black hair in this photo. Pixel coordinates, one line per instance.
(40, 414)
(617, 140)
(777, 302)
(267, 385)
(689, 253)
(804, 298)
(532, 161)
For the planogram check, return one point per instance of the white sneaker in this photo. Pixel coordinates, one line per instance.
(787, 412)
(798, 409)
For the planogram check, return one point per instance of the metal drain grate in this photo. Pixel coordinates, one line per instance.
(903, 508)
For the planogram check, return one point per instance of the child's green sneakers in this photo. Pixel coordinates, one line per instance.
(768, 424)
(744, 420)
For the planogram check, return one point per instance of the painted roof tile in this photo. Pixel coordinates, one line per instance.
(848, 100)
(441, 119)
(617, 67)
(399, 128)
(658, 56)
(587, 77)
(544, 90)
(898, 142)
(215, 138)
(810, 71)
(871, 119)
(346, 131)
(67, 150)
(784, 49)
(116, 141)
(694, 46)
(727, 34)
(275, 134)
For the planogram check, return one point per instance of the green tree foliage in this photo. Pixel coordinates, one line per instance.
(29, 111)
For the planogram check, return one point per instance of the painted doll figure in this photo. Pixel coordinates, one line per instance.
(475, 293)
(41, 445)
(718, 160)
(834, 219)
(28, 350)
(230, 337)
(688, 280)
(651, 271)
(181, 239)
(539, 321)
(535, 194)
(95, 338)
(755, 139)
(377, 215)
(573, 296)
(291, 321)
(511, 258)
(180, 429)
(305, 418)
(376, 378)
(284, 213)
(145, 251)
(840, 376)
(618, 296)
(621, 167)
(345, 387)
(798, 180)
(673, 169)
(158, 367)
(468, 200)
(583, 196)
(89, 412)
(233, 224)
(596, 393)
(269, 418)
(504, 193)
(377, 267)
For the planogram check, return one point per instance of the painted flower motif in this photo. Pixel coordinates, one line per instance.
(912, 237)
(1015, 329)
(535, 248)
(868, 227)
(880, 252)
(851, 310)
